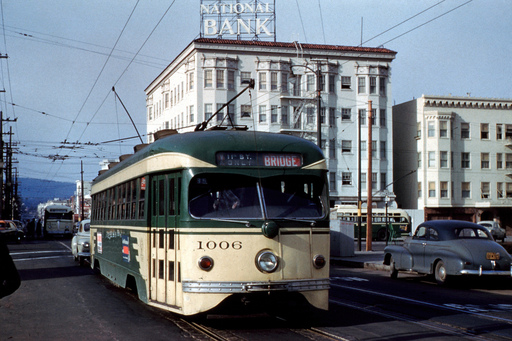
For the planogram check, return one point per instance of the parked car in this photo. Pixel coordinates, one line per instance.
(448, 248)
(495, 229)
(80, 243)
(10, 231)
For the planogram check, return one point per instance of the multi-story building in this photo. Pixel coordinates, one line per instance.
(210, 72)
(453, 157)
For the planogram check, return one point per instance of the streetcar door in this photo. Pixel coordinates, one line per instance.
(164, 211)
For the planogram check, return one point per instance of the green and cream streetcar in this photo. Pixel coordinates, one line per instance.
(197, 219)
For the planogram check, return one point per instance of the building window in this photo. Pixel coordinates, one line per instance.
(485, 189)
(444, 189)
(273, 81)
(332, 117)
(374, 149)
(499, 131)
(263, 114)
(465, 160)
(346, 83)
(508, 131)
(245, 111)
(508, 160)
(332, 83)
(363, 146)
(499, 160)
(361, 85)
(431, 129)
(443, 159)
(310, 115)
(208, 78)
(383, 150)
(231, 80)
(284, 82)
(346, 178)
(191, 114)
(484, 131)
(419, 189)
(284, 116)
(431, 189)
(273, 114)
(383, 181)
(245, 78)
(382, 117)
(310, 85)
(443, 128)
(431, 159)
(373, 85)
(332, 181)
(509, 189)
(499, 190)
(363, 181)
(346, 146)
(464, 131)
(208, 107)
(220, 114)
(322, 83)
(418, 130)
(322, 114)
(419, 160)
(220, 79)
(332, 149)
(191, 81)
(382, 86)
(263, 81)
(362, 116)
(466, 190)
(345, 114)
(484, 160)
(374, 180)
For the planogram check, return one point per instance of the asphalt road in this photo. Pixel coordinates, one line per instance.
(59, 300)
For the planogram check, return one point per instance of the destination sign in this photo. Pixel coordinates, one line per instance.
(252, 159)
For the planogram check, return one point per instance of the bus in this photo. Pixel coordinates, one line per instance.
(398, 220)
(58, 221)
(215, 219)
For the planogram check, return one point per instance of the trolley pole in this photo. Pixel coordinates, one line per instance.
(369, 227)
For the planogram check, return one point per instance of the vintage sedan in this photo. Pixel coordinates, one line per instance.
(80, 243)
(9, 231)
(494, 228)
(448, 248)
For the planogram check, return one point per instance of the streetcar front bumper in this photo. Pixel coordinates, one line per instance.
(245, 287)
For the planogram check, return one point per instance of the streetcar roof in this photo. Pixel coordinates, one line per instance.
(202, 146)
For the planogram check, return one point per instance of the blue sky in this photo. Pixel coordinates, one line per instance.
(57, 71)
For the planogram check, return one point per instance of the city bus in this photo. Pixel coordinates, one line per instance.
(398, 221)
(215, 219)
(58, 221)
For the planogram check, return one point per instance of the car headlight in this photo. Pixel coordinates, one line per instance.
(266, 261)
(85, 245)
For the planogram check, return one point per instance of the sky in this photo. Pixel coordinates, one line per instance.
(61, 63)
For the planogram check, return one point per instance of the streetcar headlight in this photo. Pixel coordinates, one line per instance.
(86, 245)
(266, 261)
(319, 261)
(205, 263)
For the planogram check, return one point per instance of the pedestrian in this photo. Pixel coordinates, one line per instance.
(39, 227)
(31, 226)
(9, 277)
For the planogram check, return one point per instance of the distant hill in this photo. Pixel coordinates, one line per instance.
(35, 191)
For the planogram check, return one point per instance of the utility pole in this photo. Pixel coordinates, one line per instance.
(369, 227)
(82, 191)
(319, 103)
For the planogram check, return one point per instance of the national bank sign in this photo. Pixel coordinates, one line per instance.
(238, 19)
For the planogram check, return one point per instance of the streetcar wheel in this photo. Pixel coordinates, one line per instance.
(393, 272)
(440, 273)
(381, 235)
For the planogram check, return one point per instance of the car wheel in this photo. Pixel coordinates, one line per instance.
(381, 235)
(393, 272)
(440, 273)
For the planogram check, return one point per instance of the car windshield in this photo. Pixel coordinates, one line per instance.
(230, 196)
(87, 227)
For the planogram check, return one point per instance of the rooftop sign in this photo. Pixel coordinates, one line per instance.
(238, 19)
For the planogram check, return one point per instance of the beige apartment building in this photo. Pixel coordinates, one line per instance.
(453, 157)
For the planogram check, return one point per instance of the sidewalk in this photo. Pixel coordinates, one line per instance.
(362, 259)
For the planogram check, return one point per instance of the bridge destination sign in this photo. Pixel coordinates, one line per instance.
(238, 19)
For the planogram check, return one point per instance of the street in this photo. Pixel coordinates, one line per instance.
(58, 300)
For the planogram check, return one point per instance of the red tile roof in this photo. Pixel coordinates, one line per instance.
(293, 45)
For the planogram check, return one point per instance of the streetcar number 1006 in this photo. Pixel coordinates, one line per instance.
(223, 245)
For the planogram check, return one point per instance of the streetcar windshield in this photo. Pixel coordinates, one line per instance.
(235, 197)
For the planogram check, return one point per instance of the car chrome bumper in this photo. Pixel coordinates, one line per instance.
(84, 254)
(245, 287)
(481, 272)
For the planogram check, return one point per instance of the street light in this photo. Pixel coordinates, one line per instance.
(318, 73)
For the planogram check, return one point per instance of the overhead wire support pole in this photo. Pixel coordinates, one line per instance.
(369, 216)
(114, 90)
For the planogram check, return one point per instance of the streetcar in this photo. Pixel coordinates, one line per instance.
(397, 220)
(58, 221)
(199, 220)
